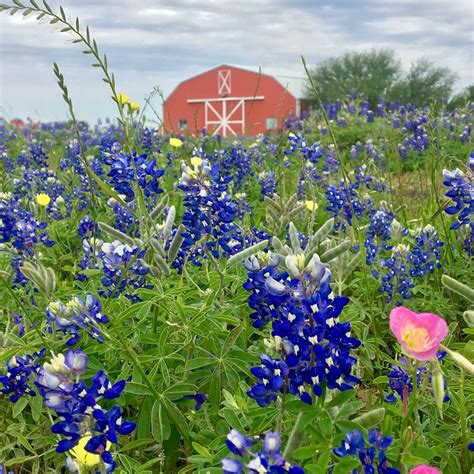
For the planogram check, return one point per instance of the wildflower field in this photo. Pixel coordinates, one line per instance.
(297, 302)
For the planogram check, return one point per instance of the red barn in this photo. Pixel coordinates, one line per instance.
(228, 101)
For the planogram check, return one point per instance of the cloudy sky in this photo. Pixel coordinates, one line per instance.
(159, 43)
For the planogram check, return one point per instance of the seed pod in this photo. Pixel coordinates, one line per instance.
(278, 246)
(294, 239)
(437, 382)
(169, 223)
(176, 244)
(241, 256)
(116, 233)
(460, 361)
(161, 205)
(469, 318)
(161, 264)
(458, 287)
(371, 418)
(336, 251)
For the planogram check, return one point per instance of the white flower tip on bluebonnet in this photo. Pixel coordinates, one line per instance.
(237, 439)
(295, 264)
(271, 443)
(56, 365)
(274, 287)
(76, 360)
(319, 271)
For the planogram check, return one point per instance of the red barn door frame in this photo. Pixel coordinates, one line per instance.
(225, 115)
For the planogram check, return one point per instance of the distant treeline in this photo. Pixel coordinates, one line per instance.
(378, 73)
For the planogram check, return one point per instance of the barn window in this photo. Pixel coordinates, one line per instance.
(271, 123)
(182, 125)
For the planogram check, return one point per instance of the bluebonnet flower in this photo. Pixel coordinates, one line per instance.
(269, 459)
(268, 185)
(293, 122)
(270, 380)
(470, 446)
(370, 457)
(123, 268)
(77, 315)
(78, 405)
(199, 398)
(18, 320)
(20, 369)
(125, 221)
(87, 227)
(313, 344)
(395, 278)
(401, 380)
(209, 214)
(126, 170)
(122, 265)
(345, 204)
(462, 193)
(243, 207)
(22, 232)
(426, 254)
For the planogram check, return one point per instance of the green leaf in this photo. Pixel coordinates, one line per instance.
(305, 452)
(160, 426)
(201, 450)
(36, 407)
(381, 379)
(137, 388)
(19, 406)
(177, 418)
(341, 398)
(179, 390)
(130, 446)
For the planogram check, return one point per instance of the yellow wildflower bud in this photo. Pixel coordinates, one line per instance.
(311, 205)
(43, 199)
(122, 98)
(196, 161)
(176, 142)
(134, 105)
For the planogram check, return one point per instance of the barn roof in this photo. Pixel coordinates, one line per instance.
(294, 83)
(293, 80)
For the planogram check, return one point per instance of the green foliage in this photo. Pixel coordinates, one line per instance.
(370, 74)
(425, 83)
(377, 73)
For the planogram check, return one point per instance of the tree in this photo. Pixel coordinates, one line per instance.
(370, 74)
(424, 84)
(464, 98)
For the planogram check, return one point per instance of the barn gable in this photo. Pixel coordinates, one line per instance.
(228, 101)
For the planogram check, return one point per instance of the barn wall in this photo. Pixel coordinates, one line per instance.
(277, 101)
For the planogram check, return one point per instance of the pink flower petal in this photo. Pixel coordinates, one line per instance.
(419, 334)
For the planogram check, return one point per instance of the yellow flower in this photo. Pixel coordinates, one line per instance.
(122, 98)
(85, 457)
(311, 205)
(176, 142)
(196, 161)
(134, 105)
(43, 199)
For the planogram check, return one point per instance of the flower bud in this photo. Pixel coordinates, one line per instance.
(437, 383)
(461, 361)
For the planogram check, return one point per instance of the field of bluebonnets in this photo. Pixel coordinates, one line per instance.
(295, 302)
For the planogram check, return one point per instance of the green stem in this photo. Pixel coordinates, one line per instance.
(295, 437)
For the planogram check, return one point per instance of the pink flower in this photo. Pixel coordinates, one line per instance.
(420, 334)
(424, 469)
